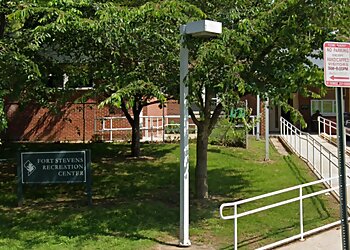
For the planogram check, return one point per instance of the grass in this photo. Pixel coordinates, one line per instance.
(136, 201)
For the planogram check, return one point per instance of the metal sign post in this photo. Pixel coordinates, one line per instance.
(337, 74)
(342, 169)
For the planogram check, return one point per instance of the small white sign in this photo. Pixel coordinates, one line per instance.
(336, 64)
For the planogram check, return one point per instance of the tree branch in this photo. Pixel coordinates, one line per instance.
(207, 106)
(126, 113)
(137, 107)
(215, 116)
(193, 116)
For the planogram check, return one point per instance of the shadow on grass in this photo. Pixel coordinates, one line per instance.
(227, 182)
(133, 199)
(254, 241)
(316, 200)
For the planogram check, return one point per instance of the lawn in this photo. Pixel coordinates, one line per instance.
(136, 201)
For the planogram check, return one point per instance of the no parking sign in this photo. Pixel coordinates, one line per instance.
(336, 64)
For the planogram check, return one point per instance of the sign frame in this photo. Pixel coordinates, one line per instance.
(336, 64)
(24, 165)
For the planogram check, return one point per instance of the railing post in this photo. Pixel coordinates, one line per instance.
(151, 121)
(146, 130)
(313, 154)
(319, 125)
(235, 228)
(253, 130)
(295, 139)
(330, 130)
(329, 168)
(307, 147)
(301, 214)
(300, 143)
(111, 131)
(281, 122)
(321, 162)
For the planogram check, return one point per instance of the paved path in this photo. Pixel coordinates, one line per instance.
(278, 146)
(328, 240)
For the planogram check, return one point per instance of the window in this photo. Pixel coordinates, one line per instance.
(326, 107)
(79, 83)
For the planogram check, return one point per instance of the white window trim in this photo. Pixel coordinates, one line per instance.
(65, 81)
(320, 101)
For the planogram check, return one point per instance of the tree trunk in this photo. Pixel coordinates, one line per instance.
(205, 127)
(135, 126)
(201, 164)
(2, 24)
(135, 137)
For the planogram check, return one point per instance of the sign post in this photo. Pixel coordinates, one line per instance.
(337, 74)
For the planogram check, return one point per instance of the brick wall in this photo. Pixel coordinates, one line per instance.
(82, 121)
(72, 122)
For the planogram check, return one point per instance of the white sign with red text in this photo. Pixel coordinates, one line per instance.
(336, 64)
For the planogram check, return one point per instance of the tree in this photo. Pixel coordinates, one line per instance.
(16, 68)
(28, 50)
(139, 56)
(108, 41)
(265, 48)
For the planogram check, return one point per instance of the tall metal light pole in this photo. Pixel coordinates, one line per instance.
(267, 132)
(203, 28)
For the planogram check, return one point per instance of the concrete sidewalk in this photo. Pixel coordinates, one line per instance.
(328, 240)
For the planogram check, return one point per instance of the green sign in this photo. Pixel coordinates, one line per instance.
(238, 113)
(54, 167)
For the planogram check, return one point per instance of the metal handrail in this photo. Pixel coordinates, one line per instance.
(152, 126)
(328, 125)
(294, 137)
(291, 134)
(300, 198)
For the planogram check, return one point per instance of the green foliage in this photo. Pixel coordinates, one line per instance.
(138, 49)
(30, 48)
(265, 48)
(228, 134)
(174, 128)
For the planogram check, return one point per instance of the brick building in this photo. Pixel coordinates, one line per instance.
(86, 122)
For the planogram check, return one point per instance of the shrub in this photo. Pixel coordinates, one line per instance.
(172, 128)
(228, 134)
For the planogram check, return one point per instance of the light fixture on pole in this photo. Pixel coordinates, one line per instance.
(203, 28)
